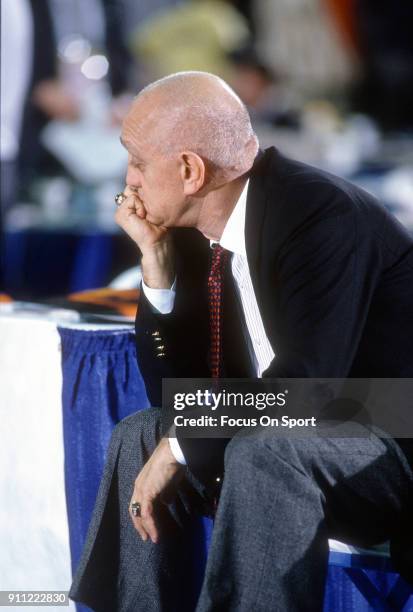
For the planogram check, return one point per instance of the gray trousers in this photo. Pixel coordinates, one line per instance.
(280, 502)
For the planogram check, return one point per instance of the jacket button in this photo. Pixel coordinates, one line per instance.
(155, 333)
(160, 355)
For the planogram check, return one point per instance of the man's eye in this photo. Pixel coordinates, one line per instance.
(134, 162)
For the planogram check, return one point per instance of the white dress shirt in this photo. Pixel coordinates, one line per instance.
(232, 239)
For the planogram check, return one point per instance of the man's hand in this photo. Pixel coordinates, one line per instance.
(158, 474)
(52, 98)
(131, 216)
(154, 241)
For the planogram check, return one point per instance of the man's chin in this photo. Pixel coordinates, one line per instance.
(155, 221)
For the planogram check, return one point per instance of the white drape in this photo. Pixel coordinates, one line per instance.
(34, 539)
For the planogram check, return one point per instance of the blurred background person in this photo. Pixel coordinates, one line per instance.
(299, 39)
(48, 97)
(269, 101)
(30, 92)
(53, 67)
(69, 32)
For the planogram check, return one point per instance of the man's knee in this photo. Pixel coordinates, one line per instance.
(240, 451)
(261, 450)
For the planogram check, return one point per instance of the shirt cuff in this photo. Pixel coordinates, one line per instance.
(177, 451)
(161, 300)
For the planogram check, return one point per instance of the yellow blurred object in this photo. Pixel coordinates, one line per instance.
(194, 36)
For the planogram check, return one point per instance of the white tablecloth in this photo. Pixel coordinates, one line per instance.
(34, 537)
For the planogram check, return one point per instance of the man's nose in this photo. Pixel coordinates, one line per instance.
(133, 177)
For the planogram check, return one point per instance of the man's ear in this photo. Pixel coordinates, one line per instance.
(192, 170)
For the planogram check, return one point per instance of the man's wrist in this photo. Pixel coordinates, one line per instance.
(158, 269)
(170, 456)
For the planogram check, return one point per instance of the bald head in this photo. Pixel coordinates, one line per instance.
(198, 112)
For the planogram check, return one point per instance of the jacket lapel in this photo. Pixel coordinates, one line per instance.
(254, 217)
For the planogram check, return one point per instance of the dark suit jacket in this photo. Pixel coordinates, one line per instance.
(332, 271)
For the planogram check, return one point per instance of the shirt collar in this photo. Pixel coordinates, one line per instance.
(233, 236)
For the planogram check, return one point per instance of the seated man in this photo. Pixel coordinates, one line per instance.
(321, 282)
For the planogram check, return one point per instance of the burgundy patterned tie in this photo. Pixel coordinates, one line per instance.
(220, 257)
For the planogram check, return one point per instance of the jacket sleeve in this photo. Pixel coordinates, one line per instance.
(175, 345)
